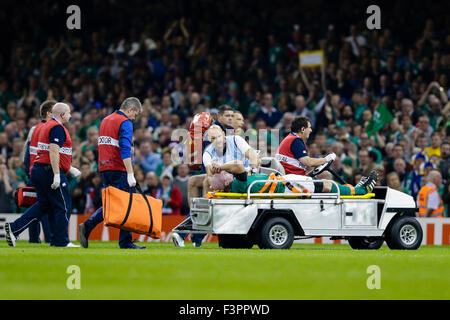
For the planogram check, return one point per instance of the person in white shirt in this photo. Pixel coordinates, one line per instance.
(227, 149)
(355, 40)
(223, 149)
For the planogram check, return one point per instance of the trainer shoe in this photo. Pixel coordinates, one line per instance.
(370, 182)
(83, 235)
(197, 244)
(362, 181)
(71, 245)
(133, 246)
(177, 240)
(10, 238)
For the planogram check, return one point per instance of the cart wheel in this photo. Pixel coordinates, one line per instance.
(276, 233)
(367, 243)
(404, 234)
(235, 241)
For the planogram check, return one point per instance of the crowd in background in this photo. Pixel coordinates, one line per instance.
(189, 68)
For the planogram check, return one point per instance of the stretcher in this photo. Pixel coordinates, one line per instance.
(234, 195)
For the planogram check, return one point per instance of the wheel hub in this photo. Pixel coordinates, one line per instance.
(278, 234)
(408, 234)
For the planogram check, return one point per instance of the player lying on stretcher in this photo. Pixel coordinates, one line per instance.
(234, 178)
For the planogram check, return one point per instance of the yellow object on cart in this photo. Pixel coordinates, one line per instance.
(232, 195)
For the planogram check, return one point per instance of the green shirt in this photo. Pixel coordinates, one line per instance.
(242, 186)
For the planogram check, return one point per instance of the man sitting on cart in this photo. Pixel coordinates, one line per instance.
(227, 149)
(293, 156)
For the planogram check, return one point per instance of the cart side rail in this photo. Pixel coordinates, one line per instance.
(336, 195)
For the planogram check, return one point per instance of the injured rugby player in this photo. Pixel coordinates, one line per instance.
(233, 177)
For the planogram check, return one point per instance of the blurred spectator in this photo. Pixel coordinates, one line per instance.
(301, 110)
(446, 198)
(429, 200)
(367, 143)
(366, 163)
(166, 166)
(285, 124)
(435, 148)
(5, 146)
(268, 112)
(413, 181)
(400, 170)
(93, 193)
(397, 153)
(78, 194)
(171, 195)
(181, 182)
(356, 40)
(16, 172)
(393, 181)
(151, 184)
(444, 165)
(139, 175)
(193, 64)
(423, 127)
(146, 158)
(6, 189)
(381, 175)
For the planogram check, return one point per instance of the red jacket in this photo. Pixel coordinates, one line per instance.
(176, 201)
(109, 157)
(43, 146)
(34, 143)
(173, 205)
(290, 164)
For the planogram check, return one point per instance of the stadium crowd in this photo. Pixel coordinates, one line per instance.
(185, 69)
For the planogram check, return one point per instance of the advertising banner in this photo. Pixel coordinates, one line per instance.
(436, 231)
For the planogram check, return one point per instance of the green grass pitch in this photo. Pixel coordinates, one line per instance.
(306, 271)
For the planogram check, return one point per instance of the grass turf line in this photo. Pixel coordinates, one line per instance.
(306, 271)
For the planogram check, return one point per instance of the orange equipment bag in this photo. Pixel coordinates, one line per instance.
(134, 212)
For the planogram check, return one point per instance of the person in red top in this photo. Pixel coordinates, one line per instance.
(115, 164)
(293, 156)
(45, 111)
(200, 124)
(170, 194)
(48, 176)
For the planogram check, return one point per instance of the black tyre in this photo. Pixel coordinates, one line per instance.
(235, 241)
(366, 243)
(405, 233)
(276, 233)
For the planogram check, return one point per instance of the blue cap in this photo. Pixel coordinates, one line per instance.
(421, 155)
(429, 164)
(343, 100)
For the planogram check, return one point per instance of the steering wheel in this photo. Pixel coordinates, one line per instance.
(318, 170)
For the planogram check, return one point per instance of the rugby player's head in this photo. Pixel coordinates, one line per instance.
(221, 181)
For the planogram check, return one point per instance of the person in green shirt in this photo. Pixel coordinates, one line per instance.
(234, 178)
